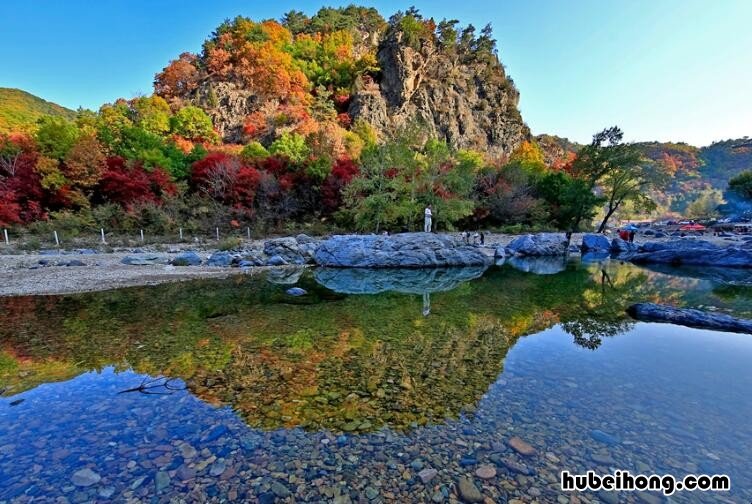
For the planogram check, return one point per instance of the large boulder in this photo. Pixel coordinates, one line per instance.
(541, 244)
(406, 250)
(595, 242)
(145, 259)
(619, 246)
(651, 312)
(186, 259)
(692, 253)
(221, 259)
(298, 250)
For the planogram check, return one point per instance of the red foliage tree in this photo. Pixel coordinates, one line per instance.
(342, 173)
(21, 192)
(130, 184)
(179, 77)
(224, 178)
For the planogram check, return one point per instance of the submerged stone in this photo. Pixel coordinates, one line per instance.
(603, 437)
(85, 477)
(468, 491)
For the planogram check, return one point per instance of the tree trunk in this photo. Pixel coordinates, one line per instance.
(608, 215)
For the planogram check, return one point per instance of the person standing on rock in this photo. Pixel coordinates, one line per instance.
(427, 221)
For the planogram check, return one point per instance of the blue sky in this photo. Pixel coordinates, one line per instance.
(676, 70)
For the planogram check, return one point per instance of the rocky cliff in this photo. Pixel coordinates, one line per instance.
(468, 102)
(407, 71)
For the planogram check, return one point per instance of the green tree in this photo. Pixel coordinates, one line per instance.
(618, 170)
(741, 186)
(55, 136)
(378, 196)
(152, 114)
(193, 123)
(292, 146)
(569, 200)
(705, 206)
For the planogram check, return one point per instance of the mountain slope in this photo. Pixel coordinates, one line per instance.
(20, 110)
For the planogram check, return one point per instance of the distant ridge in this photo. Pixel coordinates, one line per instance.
(20, 110)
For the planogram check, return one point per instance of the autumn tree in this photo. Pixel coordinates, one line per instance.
(179, 77)
(83, 166)
(618, 170)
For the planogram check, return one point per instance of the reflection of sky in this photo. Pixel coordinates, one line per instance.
(671, 395)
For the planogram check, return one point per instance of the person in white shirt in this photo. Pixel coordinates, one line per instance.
(427, 221)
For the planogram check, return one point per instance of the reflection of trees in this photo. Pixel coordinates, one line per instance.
(343, 362)
(601, 312)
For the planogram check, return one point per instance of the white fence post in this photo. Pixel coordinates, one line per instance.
(101, 232)
(181, 234)
(5, 232)
(142, 235)
(57, 241)
(249, 233)
(217, 234)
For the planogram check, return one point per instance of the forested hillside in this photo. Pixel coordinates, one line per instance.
(343, 120)
(20, 110)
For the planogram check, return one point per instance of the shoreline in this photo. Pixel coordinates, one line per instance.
(23, 276)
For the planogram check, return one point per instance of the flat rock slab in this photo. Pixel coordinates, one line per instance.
(692, 253)
(406, 250)
(651, 312)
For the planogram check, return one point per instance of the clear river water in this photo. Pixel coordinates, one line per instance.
(391, 386)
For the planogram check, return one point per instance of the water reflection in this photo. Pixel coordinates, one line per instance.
(330, 362)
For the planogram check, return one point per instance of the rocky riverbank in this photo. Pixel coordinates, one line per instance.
(81, 270)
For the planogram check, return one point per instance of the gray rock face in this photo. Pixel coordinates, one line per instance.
(651, 312)
(298, 250)
(541, 244)
(144, 259)
(407, 250)
(444, 92)
(408, 281)
(692, 253)
(595, 242)
(228, 104)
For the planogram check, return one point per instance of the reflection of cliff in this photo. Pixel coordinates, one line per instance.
(353, 380)
(324, 359)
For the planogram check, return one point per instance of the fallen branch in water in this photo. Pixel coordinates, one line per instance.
(159, 382)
